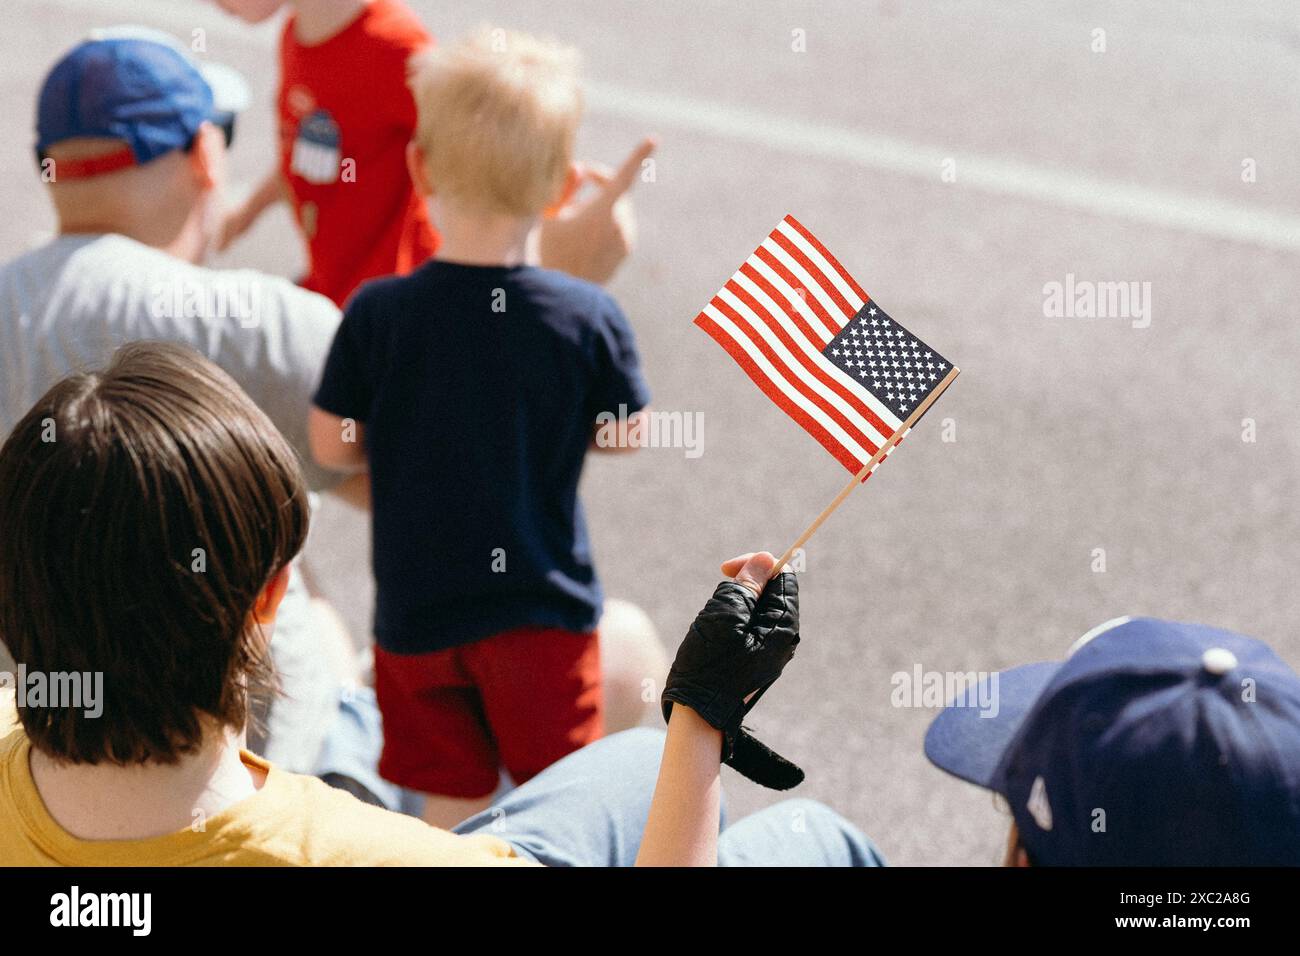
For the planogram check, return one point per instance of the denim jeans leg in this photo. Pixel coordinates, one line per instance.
(588, 809)
(796, 833)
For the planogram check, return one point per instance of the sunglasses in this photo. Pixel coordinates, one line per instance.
(224, 122)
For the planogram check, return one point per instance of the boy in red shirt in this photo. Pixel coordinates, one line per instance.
(346, 116)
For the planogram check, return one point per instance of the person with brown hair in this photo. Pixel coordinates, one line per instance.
(148, 514)
(181, 536)
(132, 137)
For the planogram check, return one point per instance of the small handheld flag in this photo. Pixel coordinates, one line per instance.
(817, 345)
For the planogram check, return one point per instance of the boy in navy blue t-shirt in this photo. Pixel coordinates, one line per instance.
(471, 390)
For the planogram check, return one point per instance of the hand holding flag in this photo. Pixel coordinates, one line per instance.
(735, 650)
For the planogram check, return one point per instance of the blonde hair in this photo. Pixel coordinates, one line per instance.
(497, 116)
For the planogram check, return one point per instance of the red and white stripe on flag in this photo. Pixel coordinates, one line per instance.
(776, 316)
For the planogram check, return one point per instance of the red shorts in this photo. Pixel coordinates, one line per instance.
(520, 700)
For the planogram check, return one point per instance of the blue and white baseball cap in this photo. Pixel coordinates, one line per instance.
(1152, 744)
(137, 85)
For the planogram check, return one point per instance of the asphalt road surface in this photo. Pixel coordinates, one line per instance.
(957, 157)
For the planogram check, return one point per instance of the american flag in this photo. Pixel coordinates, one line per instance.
(821, 349)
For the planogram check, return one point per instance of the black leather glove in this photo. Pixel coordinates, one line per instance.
(738, 646)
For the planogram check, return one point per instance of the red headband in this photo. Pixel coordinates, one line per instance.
(94, 165)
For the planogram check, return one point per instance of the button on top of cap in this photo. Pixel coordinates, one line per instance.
(1218, 660)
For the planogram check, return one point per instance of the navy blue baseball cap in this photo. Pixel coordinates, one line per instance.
(1152, 744)
(137, 85)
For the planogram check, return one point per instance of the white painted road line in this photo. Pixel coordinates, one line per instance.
(1081, 191)
(1072, 190)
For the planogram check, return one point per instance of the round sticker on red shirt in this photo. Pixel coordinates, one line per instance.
(316, 153)
(300, 100)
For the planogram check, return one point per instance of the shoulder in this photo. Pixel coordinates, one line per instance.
(379, 302)
(396, 26)
(109, 254)
(390, 299)
(375, 294)
(251, 323)
(287, 42)
(171, 280)
(91, 270)
(333, 828)
(284, 298)
(584, 302)
(34, 259)
(24, 274)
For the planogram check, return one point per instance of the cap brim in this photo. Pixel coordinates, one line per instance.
(969, 741)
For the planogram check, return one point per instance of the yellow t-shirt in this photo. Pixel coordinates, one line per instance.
(293, 820)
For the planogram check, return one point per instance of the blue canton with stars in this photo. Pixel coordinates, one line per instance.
(887, 360)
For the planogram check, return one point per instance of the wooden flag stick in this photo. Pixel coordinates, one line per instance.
(857, 479)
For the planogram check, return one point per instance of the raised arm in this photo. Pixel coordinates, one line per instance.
(682, 829)
(736, 648)
(590, 237)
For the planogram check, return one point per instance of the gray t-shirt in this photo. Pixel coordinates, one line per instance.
(69, 304)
